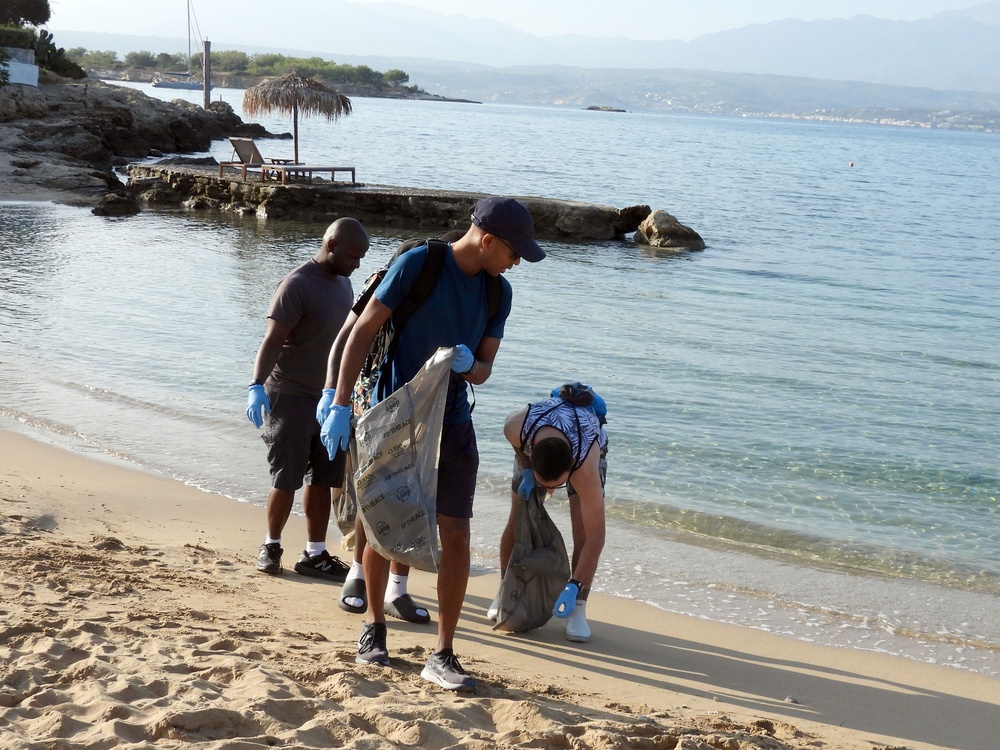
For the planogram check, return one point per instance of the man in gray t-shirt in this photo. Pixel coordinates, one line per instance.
(306, 312)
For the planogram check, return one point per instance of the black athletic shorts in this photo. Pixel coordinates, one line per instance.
(294, 451)
(458, 468)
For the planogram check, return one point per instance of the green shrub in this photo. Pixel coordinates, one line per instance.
(17, 37)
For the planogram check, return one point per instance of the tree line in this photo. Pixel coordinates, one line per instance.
(17, 17)
(232, 62)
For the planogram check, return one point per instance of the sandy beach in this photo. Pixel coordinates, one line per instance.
(132, 616)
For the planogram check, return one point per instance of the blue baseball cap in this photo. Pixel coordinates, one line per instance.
(511, 222)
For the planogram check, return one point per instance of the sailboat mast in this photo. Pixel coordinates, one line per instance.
(189, 35)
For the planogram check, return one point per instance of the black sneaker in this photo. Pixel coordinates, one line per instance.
(323, 566)
(443, 669)
(269, 558)
(371, 645)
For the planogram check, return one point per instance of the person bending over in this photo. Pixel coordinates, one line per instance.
(557, 443)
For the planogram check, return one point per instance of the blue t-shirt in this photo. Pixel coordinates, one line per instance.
(455, 313)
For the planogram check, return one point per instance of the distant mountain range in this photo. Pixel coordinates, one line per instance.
(950, 61)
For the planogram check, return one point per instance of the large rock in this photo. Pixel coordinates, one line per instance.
(114, 204)
(63, 130)
(662, 230)
(571, 220)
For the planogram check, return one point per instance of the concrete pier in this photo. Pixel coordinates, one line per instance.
(200, 187)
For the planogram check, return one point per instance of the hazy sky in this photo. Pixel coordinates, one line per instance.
(253, 22)
(672, 19)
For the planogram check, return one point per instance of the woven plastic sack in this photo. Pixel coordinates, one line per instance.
(399, 440)
(345, 500)
(537, 571)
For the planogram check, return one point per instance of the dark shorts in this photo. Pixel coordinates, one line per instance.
(294, 451)
(515, 479)
(458, 467)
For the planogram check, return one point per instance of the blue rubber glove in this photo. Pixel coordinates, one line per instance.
(463, 359)
(566, 602)
(256, 401)
(336, 431)
(323, 407)
(527, 484)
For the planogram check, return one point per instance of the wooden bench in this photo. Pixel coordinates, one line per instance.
(305, 171)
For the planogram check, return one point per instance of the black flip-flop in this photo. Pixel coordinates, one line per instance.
(354, 588)
(404, 608)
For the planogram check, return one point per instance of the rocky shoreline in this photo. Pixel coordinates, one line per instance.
(67, 141)
(64, 140)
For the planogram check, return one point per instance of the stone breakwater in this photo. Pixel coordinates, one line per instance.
(65, 141)
(200, 187)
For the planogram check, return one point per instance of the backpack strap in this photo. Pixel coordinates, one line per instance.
(419, 292)
(423, 285)
(494, 296)
(371, 284)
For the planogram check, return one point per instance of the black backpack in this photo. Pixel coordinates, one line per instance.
(384, 344)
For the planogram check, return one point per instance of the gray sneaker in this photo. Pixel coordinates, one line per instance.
(371, 645)
(269, 558)
(323, 566)
(443, 669)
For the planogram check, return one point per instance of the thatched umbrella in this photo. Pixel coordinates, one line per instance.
(289, 94)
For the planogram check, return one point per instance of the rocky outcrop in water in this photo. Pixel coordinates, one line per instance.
(661, 230)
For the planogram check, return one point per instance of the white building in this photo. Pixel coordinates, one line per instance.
(21, 66)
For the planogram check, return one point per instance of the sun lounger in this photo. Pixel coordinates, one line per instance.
(246, 156)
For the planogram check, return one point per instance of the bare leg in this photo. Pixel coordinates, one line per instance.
(507, 537)
(279, 507)
(316, 503)
(361, 541)
(453, 576)
(376, 577)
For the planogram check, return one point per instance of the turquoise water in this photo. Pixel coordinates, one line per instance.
(803, 417)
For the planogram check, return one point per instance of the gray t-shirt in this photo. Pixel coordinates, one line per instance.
(314, 304)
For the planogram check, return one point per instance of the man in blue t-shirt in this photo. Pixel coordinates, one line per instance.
(455, 315)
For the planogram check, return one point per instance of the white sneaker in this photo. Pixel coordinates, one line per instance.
(494, 611)
(577, 629)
